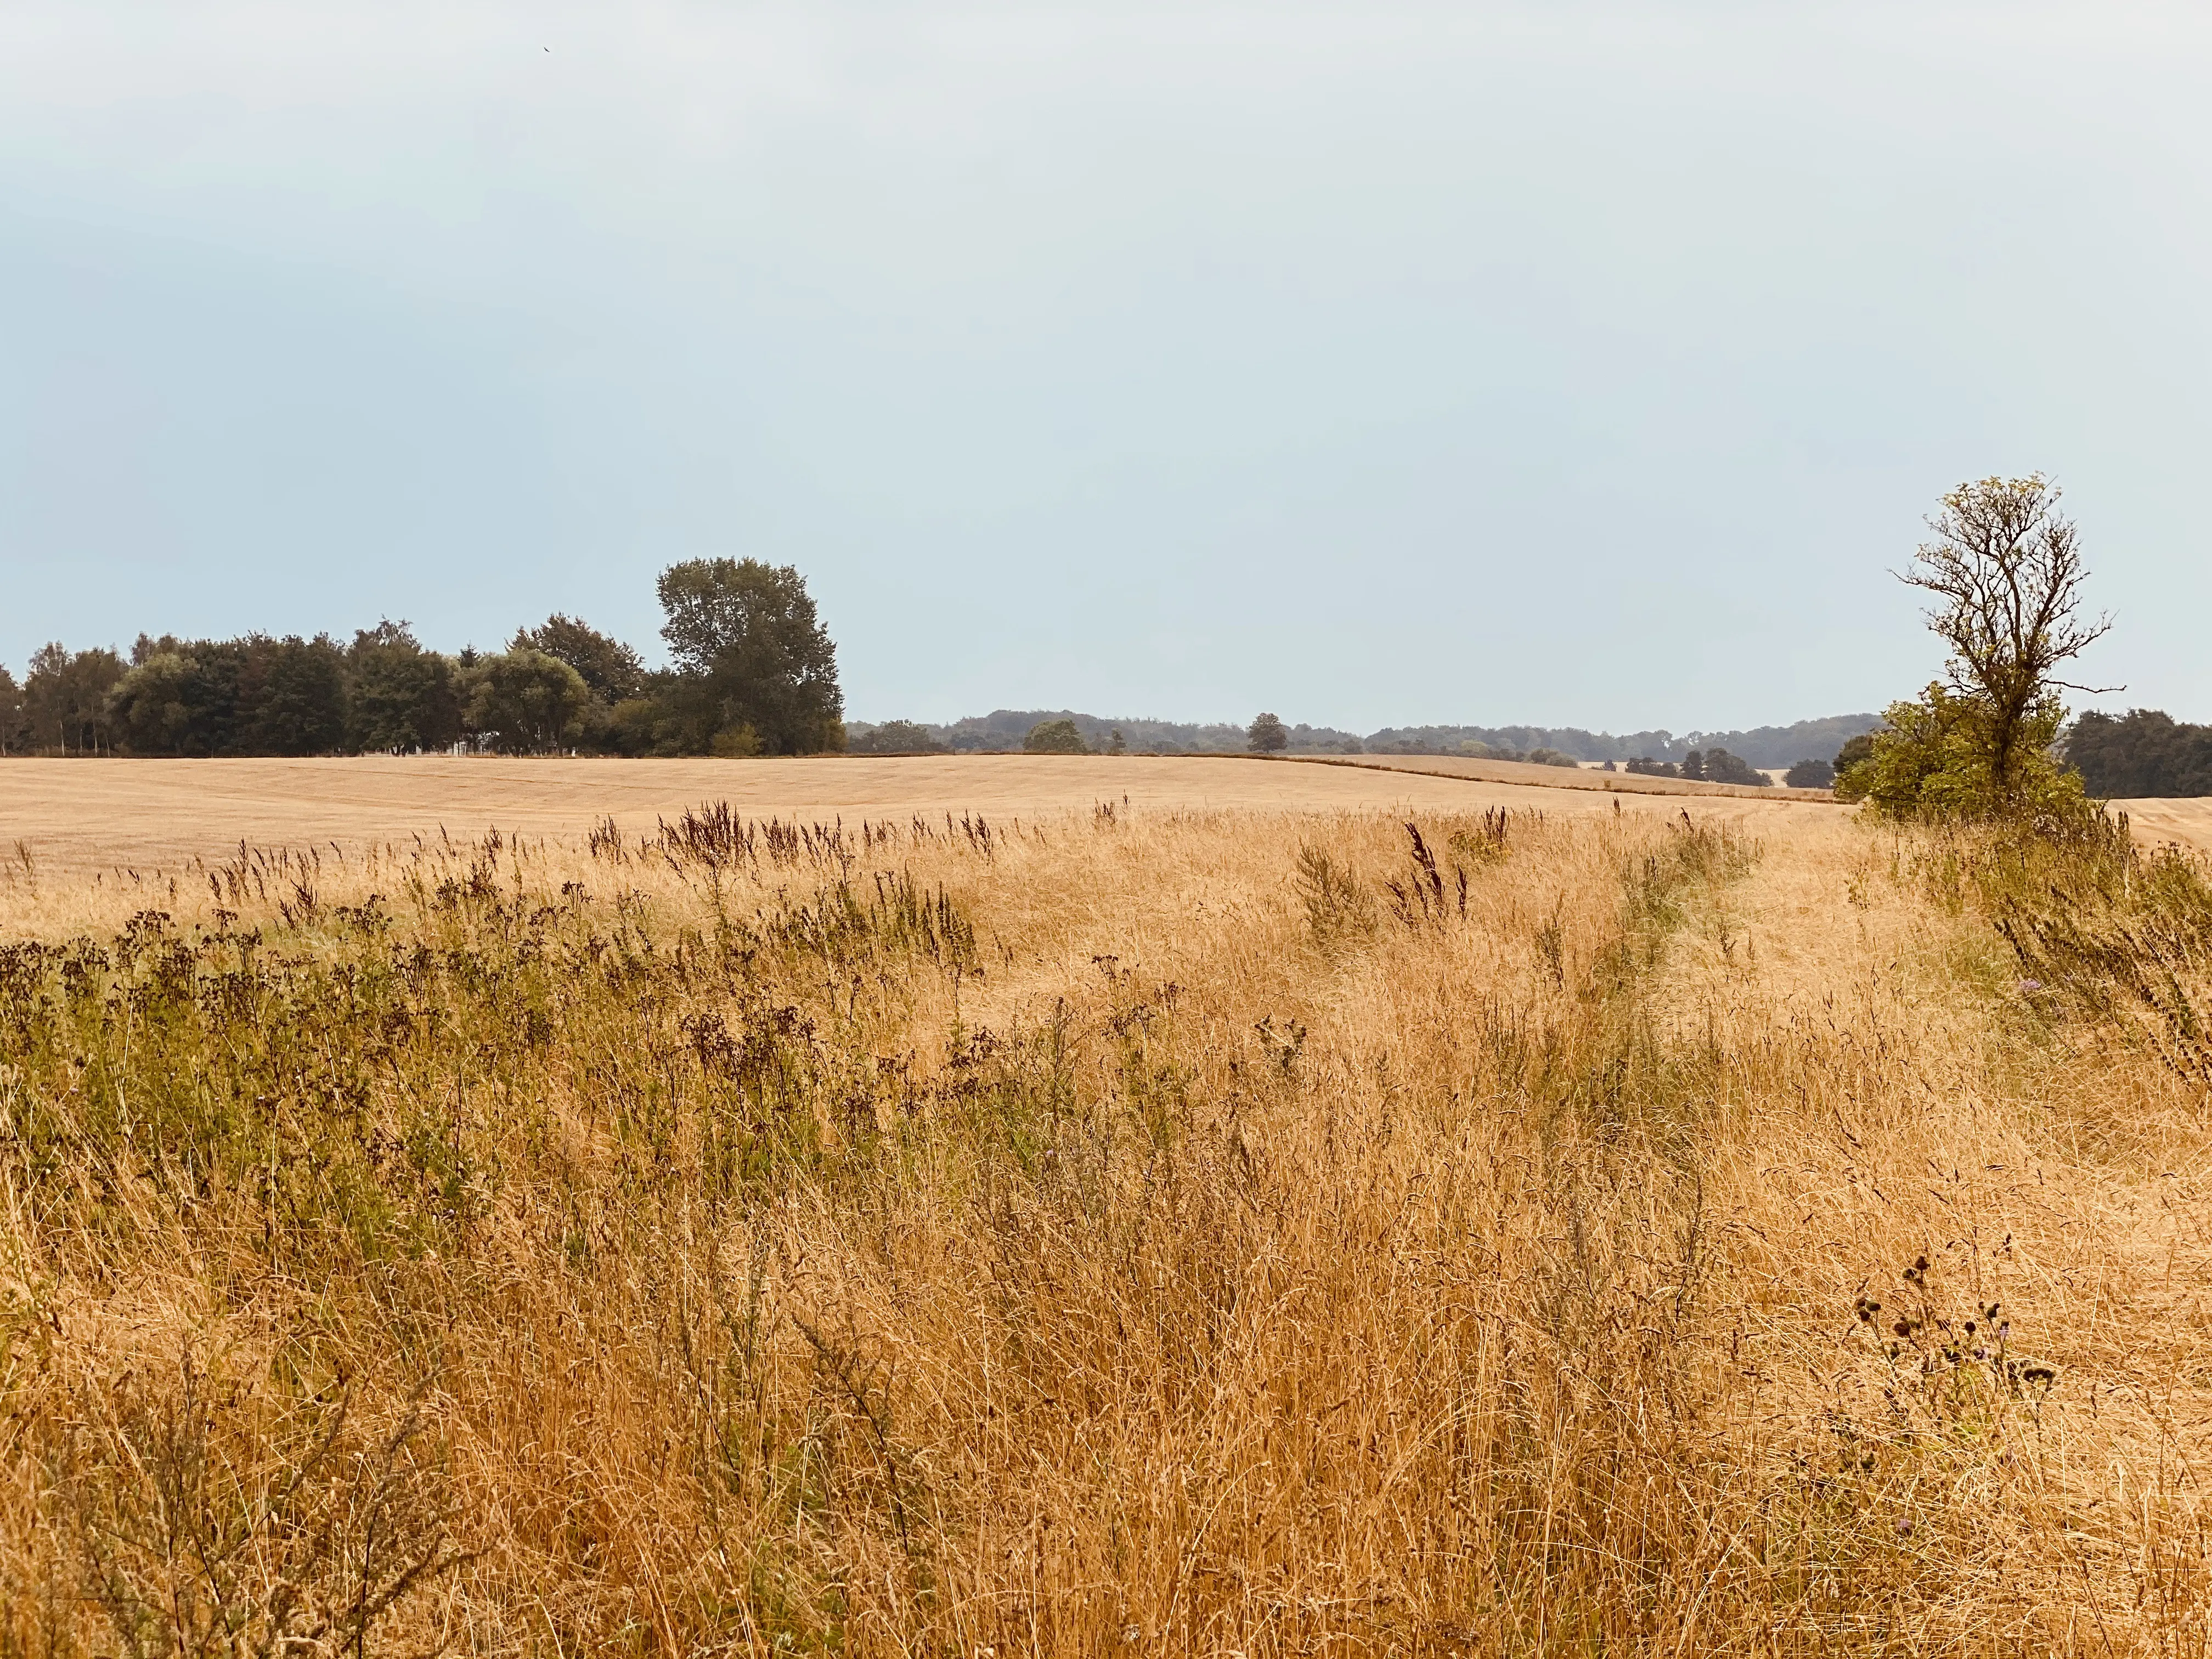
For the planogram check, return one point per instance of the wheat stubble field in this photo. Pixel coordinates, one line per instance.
(1443, 1221)
(147, 814)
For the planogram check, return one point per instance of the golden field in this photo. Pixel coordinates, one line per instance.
(1400, 1221)
(2184, 823)
(148, 814)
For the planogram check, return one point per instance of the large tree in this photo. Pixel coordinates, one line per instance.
(167, 704)
(292, 697)
(758, 671)
(2006, 571)
(400, 696)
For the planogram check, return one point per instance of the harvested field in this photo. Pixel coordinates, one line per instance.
(1562, 777)
(150, 814)
(2185, 822)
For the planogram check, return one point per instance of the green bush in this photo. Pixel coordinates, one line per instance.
(1937, 760)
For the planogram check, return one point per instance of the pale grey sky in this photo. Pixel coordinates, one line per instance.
(1575, 363)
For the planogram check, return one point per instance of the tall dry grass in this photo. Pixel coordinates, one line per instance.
(1197, 1234)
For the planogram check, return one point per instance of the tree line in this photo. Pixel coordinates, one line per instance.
(1756, 746)
(752, 671)
(1716, 766)
(1006, 729)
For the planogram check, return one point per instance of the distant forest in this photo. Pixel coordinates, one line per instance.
(2144, 752)
(1763, 746)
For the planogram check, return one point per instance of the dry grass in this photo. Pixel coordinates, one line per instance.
(1149, 1231)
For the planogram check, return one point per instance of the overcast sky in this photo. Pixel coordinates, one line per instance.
(1568, 363)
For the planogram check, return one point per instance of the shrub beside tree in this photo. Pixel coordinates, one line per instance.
(1476, 748)
(1704, 766)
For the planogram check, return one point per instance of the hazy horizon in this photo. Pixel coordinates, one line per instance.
(1581, 365)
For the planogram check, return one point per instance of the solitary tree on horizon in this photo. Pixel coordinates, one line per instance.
(1267, 736)
(2006, 570)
